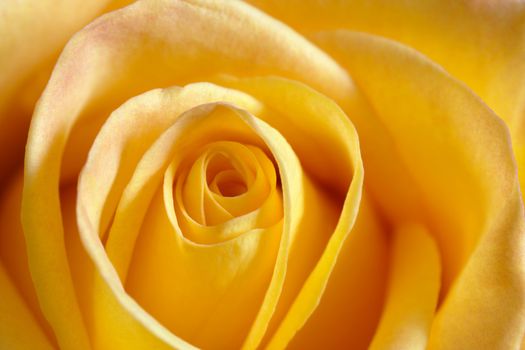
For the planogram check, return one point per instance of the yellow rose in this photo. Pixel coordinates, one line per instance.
(192, 176)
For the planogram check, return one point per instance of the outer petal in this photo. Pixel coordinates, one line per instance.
(18, 328)
(457, 151)
(32, 33)
(480, 42)
(13, 253)
(413, 291)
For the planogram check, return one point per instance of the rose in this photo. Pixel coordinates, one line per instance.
(459, 148)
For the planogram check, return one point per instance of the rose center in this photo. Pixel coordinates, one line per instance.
(228, 182)
(225, 176)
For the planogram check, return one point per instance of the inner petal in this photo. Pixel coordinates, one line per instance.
(228, 183)
(227, 180)
(191, 280)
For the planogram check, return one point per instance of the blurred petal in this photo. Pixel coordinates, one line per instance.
(458, 154)
(486, 306)
(13, 249)
(33, 33)
(413, 291)
(479, 42)
(18, 328)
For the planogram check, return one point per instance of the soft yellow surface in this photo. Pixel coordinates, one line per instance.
(457, 154)
(13, 249)
(348, 313)
(412, 292)
(193, 178)
(33, 34)
(18, 328)
(479, 42)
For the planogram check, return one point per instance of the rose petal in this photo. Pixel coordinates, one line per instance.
(349, 311)
(13, 248)
(326, 144)
(18, 327)
(111, 60)
(299, 125)
(33, 33)
(457, 153)
(105, 267)
(413, 291)
(220, 279)
(316, 112)
(479, 42)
